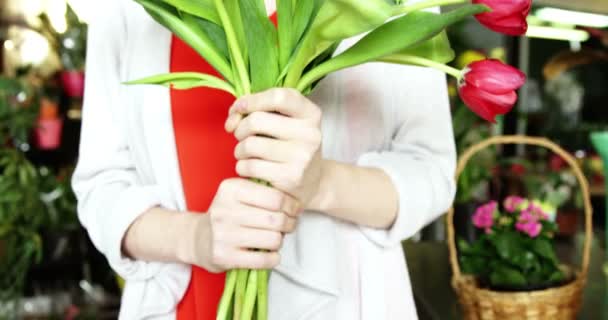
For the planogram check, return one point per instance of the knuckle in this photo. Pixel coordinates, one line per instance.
(280, 96)
(272, 260)
(254, 121)
(276, 221)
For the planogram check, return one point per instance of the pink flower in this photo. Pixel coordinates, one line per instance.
(531, 228)
(488, 88)
(513, 203)
(538, 212)
(484, 216)
(507, 16)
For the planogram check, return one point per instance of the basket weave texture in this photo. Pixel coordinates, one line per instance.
(559, 303)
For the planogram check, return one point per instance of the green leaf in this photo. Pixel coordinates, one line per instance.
(544, 248)
(261, 37)
(285, 28)
(233, 8)
(437, 49)
(507, 245)
(186, 80)
(557, 276)
(201, 8)
(215, 32)
(236, 44)
(336, 20)
(506, 276)
(195, 37)
(392, 37)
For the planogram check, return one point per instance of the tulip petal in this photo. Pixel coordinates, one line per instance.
(494, 76)
(485, 104)
(507, 16)
(501, 8)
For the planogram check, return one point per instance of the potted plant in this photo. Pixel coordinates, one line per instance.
(514, 251)
(71, 47)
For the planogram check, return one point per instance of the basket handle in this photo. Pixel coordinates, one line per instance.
(541, 142)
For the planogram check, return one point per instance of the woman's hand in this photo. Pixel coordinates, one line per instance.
(279, 133)
(243, 215)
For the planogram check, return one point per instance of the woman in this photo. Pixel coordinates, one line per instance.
(362, 164)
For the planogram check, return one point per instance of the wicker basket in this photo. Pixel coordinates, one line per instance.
(556, 303)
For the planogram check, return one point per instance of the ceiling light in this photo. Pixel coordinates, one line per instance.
(557, 33)
(572, 17)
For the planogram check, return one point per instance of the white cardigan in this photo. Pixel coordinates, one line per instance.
(391, 117)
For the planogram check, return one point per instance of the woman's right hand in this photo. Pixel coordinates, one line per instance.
(243, 216)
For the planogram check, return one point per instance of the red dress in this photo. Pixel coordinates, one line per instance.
(205, 151)
(206, 158)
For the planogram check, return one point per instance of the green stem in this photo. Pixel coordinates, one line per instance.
(262, 311)
(399, 10)
(239, 296)
(250, 295)
(339, 64)
(225, 302)
(423, 62)
(235, 50)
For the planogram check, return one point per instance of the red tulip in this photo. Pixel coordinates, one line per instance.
(507, 16)
(488, 88)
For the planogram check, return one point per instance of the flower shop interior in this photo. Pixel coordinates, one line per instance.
(544, 161)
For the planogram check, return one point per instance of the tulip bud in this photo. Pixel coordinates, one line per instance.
(488, 88)
(507, 16)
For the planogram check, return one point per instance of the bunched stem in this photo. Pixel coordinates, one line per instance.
(250, 295)
(262, 310)
(225, 302)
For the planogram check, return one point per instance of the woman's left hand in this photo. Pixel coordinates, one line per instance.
(279, 133)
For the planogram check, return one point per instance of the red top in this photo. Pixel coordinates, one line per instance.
(205, 151)
(206, 158)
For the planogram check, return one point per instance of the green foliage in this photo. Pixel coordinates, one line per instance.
(31, 198)
(237, 39)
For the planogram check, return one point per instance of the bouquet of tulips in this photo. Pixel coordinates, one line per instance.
(251, 55)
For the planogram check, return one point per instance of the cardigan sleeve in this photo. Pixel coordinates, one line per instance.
(109, 191)
(421, 159)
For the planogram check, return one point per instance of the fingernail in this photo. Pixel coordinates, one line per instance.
(240, 106)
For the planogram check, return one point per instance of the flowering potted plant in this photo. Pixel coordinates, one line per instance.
(515, 250)
(251, 55)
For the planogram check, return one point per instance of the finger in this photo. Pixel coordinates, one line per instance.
(232, 122)
(248, 238)
(282, 100)
(267, 149)
(267, 198)
(247, 259)
(252, 217)
(272, 125)
(262, 169)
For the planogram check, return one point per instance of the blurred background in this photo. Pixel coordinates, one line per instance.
(50, 270)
